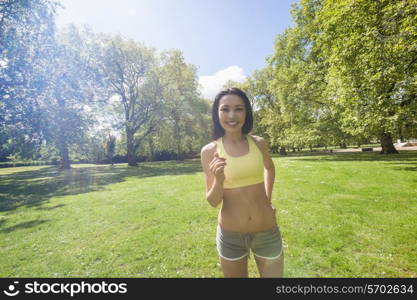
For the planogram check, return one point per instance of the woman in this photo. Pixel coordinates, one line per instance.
(240, 173)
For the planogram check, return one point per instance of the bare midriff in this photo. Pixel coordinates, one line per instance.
(246, 209)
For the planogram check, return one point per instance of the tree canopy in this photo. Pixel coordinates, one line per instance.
(345, 72)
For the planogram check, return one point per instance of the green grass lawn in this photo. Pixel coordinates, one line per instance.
(341, 215)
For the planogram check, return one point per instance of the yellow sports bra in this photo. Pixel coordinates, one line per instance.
(243, 170)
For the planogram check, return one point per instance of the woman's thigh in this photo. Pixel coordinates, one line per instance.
(271, 267)
(237, 268)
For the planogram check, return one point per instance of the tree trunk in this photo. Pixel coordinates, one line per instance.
(178, 139)
(343, 145)
(282, 151)
(151, 148)
(65, 163)
(131, 155)
(387, 146)
(190, 147)
(62, 140)
(400, 133)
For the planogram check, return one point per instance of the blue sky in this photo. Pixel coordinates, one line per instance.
(225, 39)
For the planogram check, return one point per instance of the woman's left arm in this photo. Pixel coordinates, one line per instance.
(269, 168)
(269, 175)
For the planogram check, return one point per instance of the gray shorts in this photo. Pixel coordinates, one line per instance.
(236, 245)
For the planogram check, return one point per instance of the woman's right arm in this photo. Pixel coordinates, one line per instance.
(213, 167)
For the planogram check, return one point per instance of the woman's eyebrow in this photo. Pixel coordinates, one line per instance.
(226, 105)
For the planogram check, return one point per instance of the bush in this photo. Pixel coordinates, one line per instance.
(164, 155)
(118, 159)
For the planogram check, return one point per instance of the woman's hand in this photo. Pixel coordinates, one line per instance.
(274, 210)
(274, 214)
(217, 165)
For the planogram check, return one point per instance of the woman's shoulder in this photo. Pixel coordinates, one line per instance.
(260, 142)
(256, 138)
(209, 148)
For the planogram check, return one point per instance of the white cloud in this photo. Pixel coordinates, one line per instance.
(210, 85)
(132, 12)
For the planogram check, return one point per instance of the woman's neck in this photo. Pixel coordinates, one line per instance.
(233, 138)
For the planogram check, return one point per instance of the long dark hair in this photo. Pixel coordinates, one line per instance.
(218, 130)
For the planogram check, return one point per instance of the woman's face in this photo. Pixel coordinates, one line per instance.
(232, 113)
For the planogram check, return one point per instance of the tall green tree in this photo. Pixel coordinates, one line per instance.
(109, 147)
(346, 72)
(180, 95)
(26, 34)
(298, 85)
(370, 47)
(66, 117)
(125, 65)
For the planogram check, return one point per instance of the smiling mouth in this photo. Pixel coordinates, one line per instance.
(232, 123)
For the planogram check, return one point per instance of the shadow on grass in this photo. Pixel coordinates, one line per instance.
(51, 207)
(407, 168)
(23, 225)
(33, 188)
(405, 155)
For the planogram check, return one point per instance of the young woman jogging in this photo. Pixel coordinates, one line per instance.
(240, 174)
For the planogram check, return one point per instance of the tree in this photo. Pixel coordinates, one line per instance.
(297, 85)
(180, 96)
(125, 65)
(109, 147)
(70, 89)
(344, 73)
(26, 33)
(370, 46)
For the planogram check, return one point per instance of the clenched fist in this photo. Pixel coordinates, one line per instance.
(217, 165)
